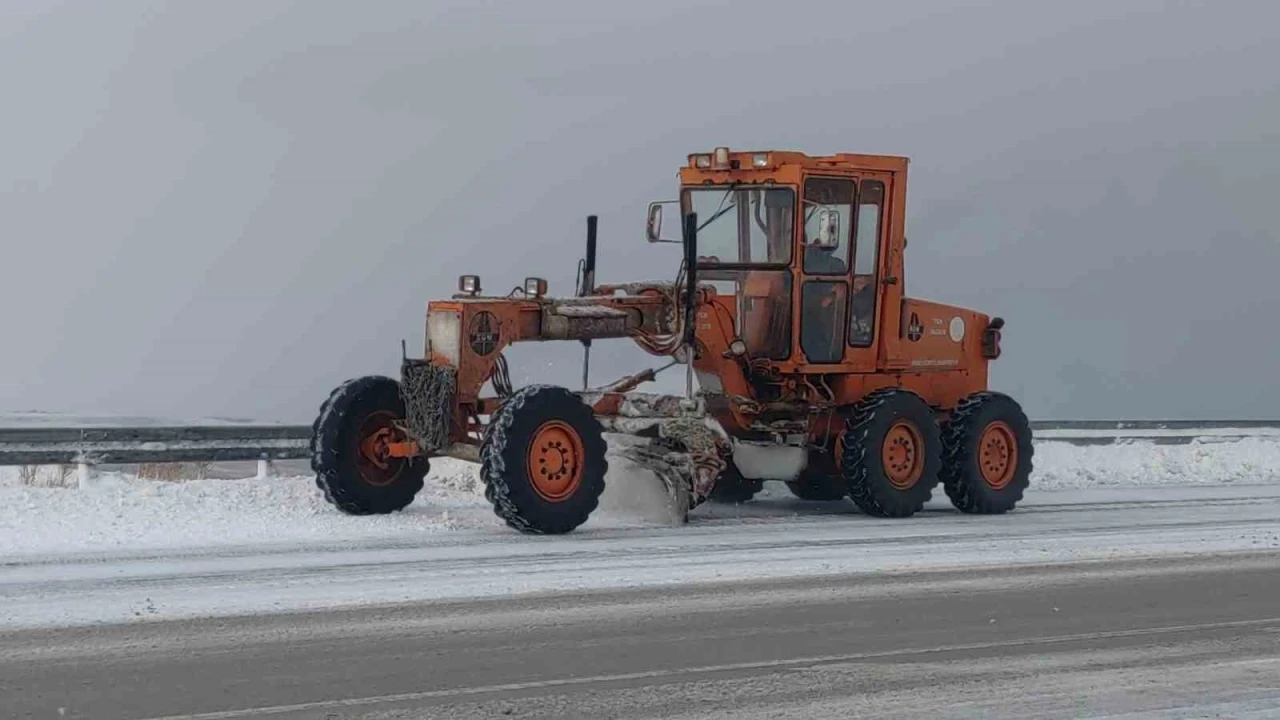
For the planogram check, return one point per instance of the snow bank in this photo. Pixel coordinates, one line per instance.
(119, 512)
(1250, 460)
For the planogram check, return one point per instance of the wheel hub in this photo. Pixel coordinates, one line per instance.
(555, 459)
(902, 455)
(997, 455)
(373, 461)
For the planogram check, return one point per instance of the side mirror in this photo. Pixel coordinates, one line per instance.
(828, 228)
(653, 226)
(653, 229)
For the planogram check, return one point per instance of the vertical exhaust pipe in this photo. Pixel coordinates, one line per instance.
(588, 287)
(690, 295)
(589, 267)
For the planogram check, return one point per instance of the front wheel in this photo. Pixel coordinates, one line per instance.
(987, 454)
(349, 449)
(543, 460)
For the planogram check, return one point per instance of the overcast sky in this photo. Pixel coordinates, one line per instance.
(227, 208)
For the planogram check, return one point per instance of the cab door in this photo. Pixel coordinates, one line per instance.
(841, 293)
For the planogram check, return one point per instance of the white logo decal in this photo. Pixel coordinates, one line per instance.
(957, 329)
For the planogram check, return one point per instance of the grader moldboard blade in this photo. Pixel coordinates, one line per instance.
(675, 439)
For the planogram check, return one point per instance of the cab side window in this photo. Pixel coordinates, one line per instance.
(827, 196)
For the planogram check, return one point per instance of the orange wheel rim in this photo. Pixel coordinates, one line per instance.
(375, 433)
(997, 455)
(903, 455)
(554, 463)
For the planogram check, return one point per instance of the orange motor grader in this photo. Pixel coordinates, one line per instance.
(788, 313)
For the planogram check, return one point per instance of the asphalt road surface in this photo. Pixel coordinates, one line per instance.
(1172, 637)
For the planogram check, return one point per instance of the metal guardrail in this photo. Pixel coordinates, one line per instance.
(224, 443)
(134, 445)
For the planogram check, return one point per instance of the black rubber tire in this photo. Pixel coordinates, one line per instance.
(335, 446)
(820, 481)
(732, 488)
(961, 475)
(504, 468)
(861, 443)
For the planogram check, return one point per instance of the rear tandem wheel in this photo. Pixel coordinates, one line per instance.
(987, 454)
(891, 453)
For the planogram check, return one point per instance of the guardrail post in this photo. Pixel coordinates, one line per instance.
(84, 472)
(265, 469)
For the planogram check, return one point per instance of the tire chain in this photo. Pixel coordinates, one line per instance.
(492, 466)
(494, 440)
(428, 392)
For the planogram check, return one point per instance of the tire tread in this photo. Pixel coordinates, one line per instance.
(334, 421)
(960, 479)
(512, 496)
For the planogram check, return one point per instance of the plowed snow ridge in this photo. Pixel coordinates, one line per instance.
(120, 512)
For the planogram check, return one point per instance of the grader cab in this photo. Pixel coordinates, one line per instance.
(788, 313)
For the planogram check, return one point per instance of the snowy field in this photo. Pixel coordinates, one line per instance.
(118, 512)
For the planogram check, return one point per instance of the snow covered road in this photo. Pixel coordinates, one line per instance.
(1153, 638)
(1133, 579)
(1056, 526)
(125, 550)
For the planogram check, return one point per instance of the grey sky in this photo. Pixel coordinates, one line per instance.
(227, 208)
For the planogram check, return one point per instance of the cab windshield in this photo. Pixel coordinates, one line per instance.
(745, 235)
(744, 226)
